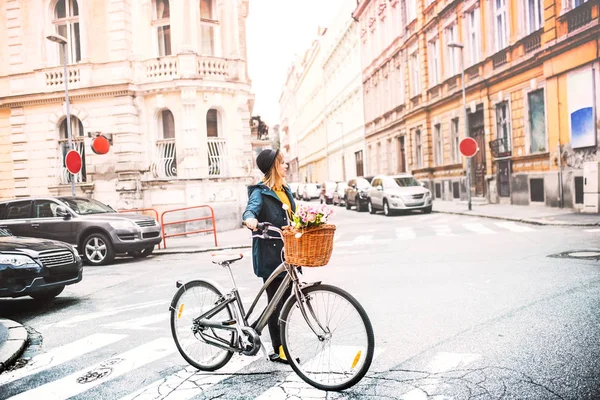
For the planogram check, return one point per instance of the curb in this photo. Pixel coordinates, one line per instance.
(14, 345)
(522, 220)
(188, 250)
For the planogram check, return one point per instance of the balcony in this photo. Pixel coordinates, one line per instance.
(499, 59)
(164, 68)
(218, 159)
(533, 41)
(165, 164)
(500, 148)
(579, 17)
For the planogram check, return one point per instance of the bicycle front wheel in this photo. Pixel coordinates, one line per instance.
(342, 353)
(192, 300)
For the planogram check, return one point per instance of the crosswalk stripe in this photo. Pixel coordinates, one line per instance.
(138, 323)
(61, 355)
(189, 382)
(357, 241)
(85, 379)
(478, 228)
(511, 226)
(442, 230)
(294, 387)
(404, 233)
(592, 230)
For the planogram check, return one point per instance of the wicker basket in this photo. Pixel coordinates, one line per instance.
(312, 249)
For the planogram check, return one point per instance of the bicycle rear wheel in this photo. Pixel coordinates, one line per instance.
(343, 356)
(192, 300)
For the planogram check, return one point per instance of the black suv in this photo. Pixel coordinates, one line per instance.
(98, 231)
(356, 192)
(38, 268)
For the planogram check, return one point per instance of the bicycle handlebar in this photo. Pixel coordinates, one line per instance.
(263, 229)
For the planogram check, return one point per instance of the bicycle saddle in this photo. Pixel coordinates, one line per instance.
(222, 259)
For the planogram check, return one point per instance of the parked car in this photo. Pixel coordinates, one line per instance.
(98, 231)
(293, 187)
(339, 193)
(327, 190)
(398, 192)
(311, 191)
(356, 193)
(299, 190)
(39, 268)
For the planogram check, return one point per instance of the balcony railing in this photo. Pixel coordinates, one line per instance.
(211, 66)
(162, 68)
(500, 148)
(533, 41)
(56, 78)
(499, 59)
(579, 17)
(63, 175)
(165, 164)
(217, 157)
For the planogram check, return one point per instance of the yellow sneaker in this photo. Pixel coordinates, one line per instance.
(282, 353)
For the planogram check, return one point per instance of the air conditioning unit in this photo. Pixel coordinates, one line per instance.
(591, 187)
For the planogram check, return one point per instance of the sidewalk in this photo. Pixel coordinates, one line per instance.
(235, 239)
(13, 338)
(538, 215)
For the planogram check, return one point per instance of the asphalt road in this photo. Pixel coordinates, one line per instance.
(461, 307)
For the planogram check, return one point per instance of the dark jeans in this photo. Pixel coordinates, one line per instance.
(274, 318)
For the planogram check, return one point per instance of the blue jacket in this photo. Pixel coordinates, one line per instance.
(265, 206)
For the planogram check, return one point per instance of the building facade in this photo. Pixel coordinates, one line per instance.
(166, 81)
(342, 79)
(532, 88)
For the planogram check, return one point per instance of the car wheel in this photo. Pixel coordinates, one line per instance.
(47, 294)
(427, 210)
(142, 253)
(347, 204)
(386, 209)
(370, 207)
(97, 249)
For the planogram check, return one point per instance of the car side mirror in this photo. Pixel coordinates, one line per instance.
(423, 184)
(62, 212)
(379, 187)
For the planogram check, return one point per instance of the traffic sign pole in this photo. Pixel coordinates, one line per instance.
(468, 147)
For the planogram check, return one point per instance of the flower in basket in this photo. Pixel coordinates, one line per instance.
(308, 216)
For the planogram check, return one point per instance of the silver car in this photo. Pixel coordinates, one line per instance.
(396, 193)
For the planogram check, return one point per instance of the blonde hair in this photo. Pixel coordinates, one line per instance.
(273, 178)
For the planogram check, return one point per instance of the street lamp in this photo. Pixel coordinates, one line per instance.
(456, 45)
(341, 124)
(63, 42)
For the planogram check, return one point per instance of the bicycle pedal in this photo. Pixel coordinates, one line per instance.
(229, 323)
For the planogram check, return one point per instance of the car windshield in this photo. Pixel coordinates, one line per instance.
(87, 206)
(5, 232)
(406, 181)
(362, 183)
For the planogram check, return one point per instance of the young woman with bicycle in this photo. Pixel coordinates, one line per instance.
(265, 204)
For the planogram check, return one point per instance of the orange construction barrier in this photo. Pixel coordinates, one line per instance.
(211, 217)
(136, 210)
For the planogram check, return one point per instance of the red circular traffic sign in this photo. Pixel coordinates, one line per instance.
(100, 145)
(73, 161)
(468, 147)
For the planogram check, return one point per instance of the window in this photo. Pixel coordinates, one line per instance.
(208, 26)
(452, 61)
(536, 192)
(400, 83)
(18, 210)
(536, 114)
(378, 157)
(434, 62)
(161, 22)
(166, 165)
(418, 149)
(455, 140)
(212, 126)
(216, 145)
(502, 126)
(66, 21)
(44, 209)
(473, 43)
(500, 24)
(358, 157)
(579, 190)
(533, 15)
(439, 155)
(78, 144)
(415, 84)
(411, 10)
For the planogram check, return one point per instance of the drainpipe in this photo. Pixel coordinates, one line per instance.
(560, 179)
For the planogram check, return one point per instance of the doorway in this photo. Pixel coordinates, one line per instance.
(477, 132)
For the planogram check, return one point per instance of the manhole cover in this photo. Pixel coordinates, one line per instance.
(579, 254)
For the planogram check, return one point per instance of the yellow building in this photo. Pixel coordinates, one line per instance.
(531, 79)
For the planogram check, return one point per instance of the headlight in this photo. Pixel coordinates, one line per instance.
(394, 196)
(122, 224)
(428, 194)
(76, 253)
(15, 260)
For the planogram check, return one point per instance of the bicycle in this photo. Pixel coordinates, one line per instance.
(220, 323)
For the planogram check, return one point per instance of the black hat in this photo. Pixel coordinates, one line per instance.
(265, 159)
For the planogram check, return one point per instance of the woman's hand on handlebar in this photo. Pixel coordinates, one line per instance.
(251, 223)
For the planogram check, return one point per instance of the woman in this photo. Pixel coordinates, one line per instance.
(265, 204)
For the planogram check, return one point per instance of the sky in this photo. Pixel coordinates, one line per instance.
(277, 30)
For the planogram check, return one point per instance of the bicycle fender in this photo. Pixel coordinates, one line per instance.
(183, 288)
(293, 297)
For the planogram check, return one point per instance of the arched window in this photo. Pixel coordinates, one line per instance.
(212, 123)
(208, 27)
(66, 21)
(161, 21)
(78, 144)
(166, 165)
